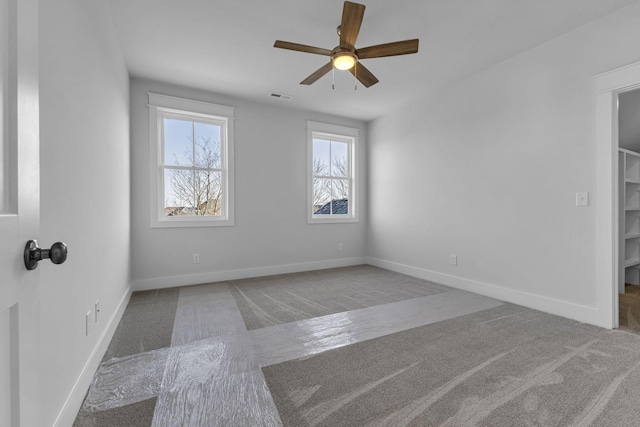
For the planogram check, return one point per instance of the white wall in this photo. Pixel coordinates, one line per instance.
(84, 189)
(271, 234)
(488, 170)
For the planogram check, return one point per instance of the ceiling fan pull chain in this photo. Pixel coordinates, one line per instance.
(333, 79)
(355, 78)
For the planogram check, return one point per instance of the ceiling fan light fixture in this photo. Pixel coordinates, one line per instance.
(344, 61)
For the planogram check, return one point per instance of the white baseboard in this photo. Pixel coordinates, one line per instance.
(561, 308)
(74, 401)
(245, 273)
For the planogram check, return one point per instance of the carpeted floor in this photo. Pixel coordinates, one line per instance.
(133, 415)
(507, 366)
(356, 346)
(192, 356)
(274, 300)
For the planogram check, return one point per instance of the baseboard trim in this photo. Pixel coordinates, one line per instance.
(245, 273)
(561, 308)
(69, 410)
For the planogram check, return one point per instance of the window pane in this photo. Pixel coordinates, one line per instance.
(178, 147)
(340, 196)
(189, 193)
(321, 157)
(339, 159)
(207, 146)
(178, 192)
(321, 196)
(208, 193)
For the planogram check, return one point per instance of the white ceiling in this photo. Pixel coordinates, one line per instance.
(227, 46)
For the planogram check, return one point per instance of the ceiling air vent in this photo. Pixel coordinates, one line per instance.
(281, 96)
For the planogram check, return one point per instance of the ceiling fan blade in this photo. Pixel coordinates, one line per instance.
(388, 49)
(317, 74)
(352, 15)
(302, 48)
(365, 76)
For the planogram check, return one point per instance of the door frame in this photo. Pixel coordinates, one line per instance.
(608, 87)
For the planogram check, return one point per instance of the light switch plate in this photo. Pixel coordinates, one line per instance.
(87, 320)
(582, 198)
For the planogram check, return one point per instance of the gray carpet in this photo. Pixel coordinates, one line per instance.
(274, 300)
(147, 323)
(507, 366)
(498, 366)
(135, 415)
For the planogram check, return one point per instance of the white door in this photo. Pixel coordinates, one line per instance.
(19, 212)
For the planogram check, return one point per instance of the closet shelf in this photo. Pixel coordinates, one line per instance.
(629, 226)
(631, 262)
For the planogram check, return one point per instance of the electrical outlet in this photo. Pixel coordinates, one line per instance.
(339, 246)
(87, 319)
(196, 258)
(453, 259)
(97, 309)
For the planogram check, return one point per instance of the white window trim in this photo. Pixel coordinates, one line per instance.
(159, 105)
(342, 132)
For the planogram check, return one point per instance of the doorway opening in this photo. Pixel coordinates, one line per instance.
(609, 86)
(629, 210)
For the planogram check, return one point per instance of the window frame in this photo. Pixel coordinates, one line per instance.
(163, 106)
(317, 130)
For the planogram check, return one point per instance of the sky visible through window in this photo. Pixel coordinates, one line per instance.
(178, 137)
(189, 144)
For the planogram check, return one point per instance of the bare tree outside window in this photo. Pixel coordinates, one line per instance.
(195, 189)
(321, 186)
(340, 186)
(331, 182)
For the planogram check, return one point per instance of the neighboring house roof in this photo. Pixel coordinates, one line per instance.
(179, 211)
(173, 210)
(335, 207)
(185, 211)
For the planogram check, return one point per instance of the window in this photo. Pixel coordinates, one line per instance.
(332, 184)
(191, 162)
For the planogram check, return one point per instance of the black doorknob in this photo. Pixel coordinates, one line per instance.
(32, 254)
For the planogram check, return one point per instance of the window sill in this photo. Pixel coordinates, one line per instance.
(338, 220)
(191, 223)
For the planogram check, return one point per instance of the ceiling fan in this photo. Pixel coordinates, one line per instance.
(345, 56)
